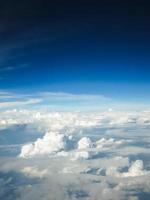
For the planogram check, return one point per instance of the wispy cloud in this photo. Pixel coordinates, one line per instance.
(69, 96)
(12, 68)
(50, 100)
(13, 104)
(13, 100)
(61, 101)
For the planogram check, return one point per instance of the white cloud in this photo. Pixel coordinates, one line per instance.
(61, 126)
(34, 172)
(83, 153)
(104, 143)
(51, 100)
(69, 96)
(136, 169)
(15, 104)
(113, 119)
(84, 143)
(51, 143)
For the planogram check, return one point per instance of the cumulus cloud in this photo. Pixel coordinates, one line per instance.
(56, 142)
(136, 169)
(84, 143)
(84, 151)
(83, 155)
(51, 143)
(48, 120)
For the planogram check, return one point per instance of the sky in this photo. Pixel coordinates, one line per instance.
(78, 47)
(74, 100)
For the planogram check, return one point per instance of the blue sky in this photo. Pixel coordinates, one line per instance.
(78, 48)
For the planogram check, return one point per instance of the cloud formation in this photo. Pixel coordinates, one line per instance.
(34, 172)
(52, 101)
(84, 143)
(51, 143)
(82, 154)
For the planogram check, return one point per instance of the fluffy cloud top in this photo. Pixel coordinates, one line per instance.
(136, 169)
(84, 143)
(82, 155)
(60, 126)
(51, 143)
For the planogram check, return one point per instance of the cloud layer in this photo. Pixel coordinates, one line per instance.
(82, 155)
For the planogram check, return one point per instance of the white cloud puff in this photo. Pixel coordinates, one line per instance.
(51, 143)
(84, 143)
(82, 155)
(136, 169)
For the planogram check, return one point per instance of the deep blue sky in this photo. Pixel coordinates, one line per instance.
(84, 46)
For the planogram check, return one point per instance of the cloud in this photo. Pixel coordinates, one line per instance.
(69, 96)
(12, 68)
(84, 143)
(55, 101)
(104, 143)
(11, 100)
(48, 120)
(136, 169)
(60, 101)
(61, 126)
(34, 172)
(52, 120)
(51, 143)
(14, 104)
(84, 155)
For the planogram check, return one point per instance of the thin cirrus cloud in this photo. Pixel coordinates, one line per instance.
(61, 101)
(6, 68)
(18, 103)
(69, 96)
(49, 99)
